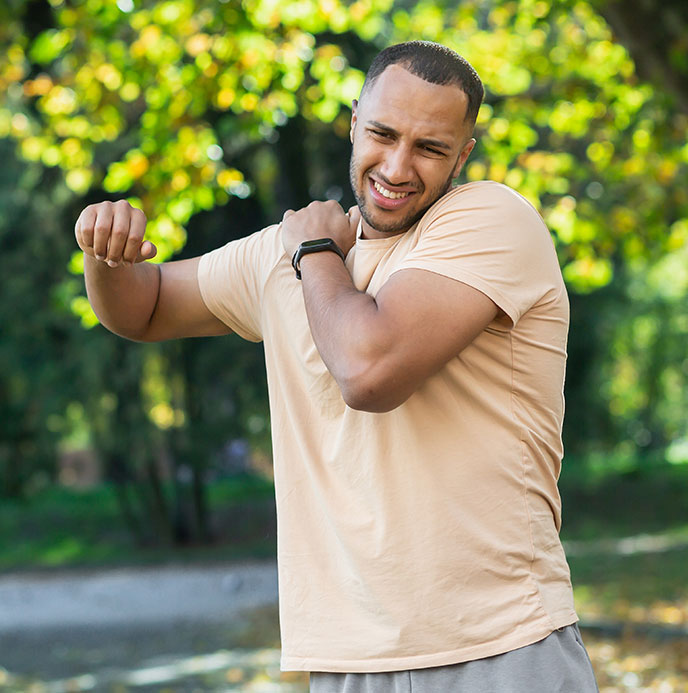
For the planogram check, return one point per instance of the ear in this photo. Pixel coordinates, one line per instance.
(354, 107)
(467, 149)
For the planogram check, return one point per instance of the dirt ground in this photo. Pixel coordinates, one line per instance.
(173, 628)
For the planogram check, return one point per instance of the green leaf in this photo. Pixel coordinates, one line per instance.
(49, 45)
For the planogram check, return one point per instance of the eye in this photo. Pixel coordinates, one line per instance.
(382, 134)
(433, 151)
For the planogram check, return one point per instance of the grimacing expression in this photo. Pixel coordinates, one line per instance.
(409, 141)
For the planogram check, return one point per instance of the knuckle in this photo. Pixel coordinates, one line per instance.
(87, 213)
(120, 232)
(138, 213)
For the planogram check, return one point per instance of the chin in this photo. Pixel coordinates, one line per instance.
(387, 223)
(391, 228)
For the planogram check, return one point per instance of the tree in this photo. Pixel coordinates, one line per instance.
(38, 365)
(205, 111)
(655, 35)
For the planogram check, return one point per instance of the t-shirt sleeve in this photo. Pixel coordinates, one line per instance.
(232, 279)
(489, 237)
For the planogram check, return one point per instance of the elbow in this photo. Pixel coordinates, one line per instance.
(126, 332)
(361, 400)
(369, 391)
(371, 400)
(145, 337)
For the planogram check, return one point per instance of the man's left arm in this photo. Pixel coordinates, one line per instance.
(380, 349)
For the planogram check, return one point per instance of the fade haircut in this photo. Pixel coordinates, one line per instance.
(434, 63)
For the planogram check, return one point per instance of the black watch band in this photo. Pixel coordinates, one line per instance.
(315, 246)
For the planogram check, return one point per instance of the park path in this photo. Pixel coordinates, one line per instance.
(127, 596)
(142, 629)
(183, 628)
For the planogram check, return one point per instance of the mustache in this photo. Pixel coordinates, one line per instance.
(383, 179)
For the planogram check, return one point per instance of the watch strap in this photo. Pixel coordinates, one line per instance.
(316, 246)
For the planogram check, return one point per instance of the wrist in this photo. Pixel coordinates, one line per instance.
(318, 246)
(329, 261)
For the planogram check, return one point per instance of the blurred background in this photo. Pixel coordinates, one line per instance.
(214, 116)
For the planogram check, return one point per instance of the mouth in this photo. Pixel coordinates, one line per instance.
(389, 193)
(388, 199)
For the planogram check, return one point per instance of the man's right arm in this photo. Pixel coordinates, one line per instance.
(133, 298)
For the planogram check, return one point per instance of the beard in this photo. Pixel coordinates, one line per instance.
(358, 183)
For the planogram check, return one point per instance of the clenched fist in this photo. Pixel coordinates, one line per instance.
(112, 232)
(320, 220)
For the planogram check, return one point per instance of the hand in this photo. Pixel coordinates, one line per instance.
(320, 220)
(112, 232)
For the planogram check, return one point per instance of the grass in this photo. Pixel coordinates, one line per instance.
(640, 499)
(642, 584)
(647, 589)
(66, 528)
(61, 527)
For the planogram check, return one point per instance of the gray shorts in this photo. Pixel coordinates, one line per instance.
(557, 664)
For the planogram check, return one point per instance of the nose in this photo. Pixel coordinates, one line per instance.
(397, 165)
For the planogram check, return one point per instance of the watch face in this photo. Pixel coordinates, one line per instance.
(319, 242)
(308, 247)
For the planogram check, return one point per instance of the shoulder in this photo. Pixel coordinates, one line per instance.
(260, 250)
(482, 199)
(267, 239)
(487, 212)
(232, 279)
(242, 264)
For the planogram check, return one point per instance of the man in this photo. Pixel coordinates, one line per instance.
(415, 377)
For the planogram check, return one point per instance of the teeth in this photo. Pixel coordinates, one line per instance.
(389, 193)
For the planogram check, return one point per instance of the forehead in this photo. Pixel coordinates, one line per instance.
(411, 105)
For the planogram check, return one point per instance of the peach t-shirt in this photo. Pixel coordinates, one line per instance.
(427, 535)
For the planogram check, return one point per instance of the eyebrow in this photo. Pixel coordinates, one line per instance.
(426, 141)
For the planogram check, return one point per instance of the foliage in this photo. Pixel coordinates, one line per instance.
(214, 111)
(655, 34)
(567, 123)
(39, 350)
(157, 101)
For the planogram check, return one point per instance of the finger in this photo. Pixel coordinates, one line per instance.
(146, 252)
(287, 214)
(332, 203)
(354, 215)
(137, 228)
(84, 229)
(101, 230)
(121, 221)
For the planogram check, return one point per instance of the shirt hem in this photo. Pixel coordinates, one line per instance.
(386, 664)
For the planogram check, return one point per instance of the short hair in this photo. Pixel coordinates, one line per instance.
(434, 63)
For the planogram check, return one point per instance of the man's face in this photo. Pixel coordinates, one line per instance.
(409, 142)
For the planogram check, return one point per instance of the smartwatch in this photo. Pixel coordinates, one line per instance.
(315, 246)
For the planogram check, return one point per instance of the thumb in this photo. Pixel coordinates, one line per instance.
(147, 251)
